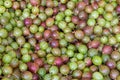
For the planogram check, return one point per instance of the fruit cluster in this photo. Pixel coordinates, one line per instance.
(59, 40)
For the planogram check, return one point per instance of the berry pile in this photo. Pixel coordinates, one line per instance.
(59, 40)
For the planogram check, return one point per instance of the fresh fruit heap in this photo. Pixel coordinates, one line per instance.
(59, 40)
